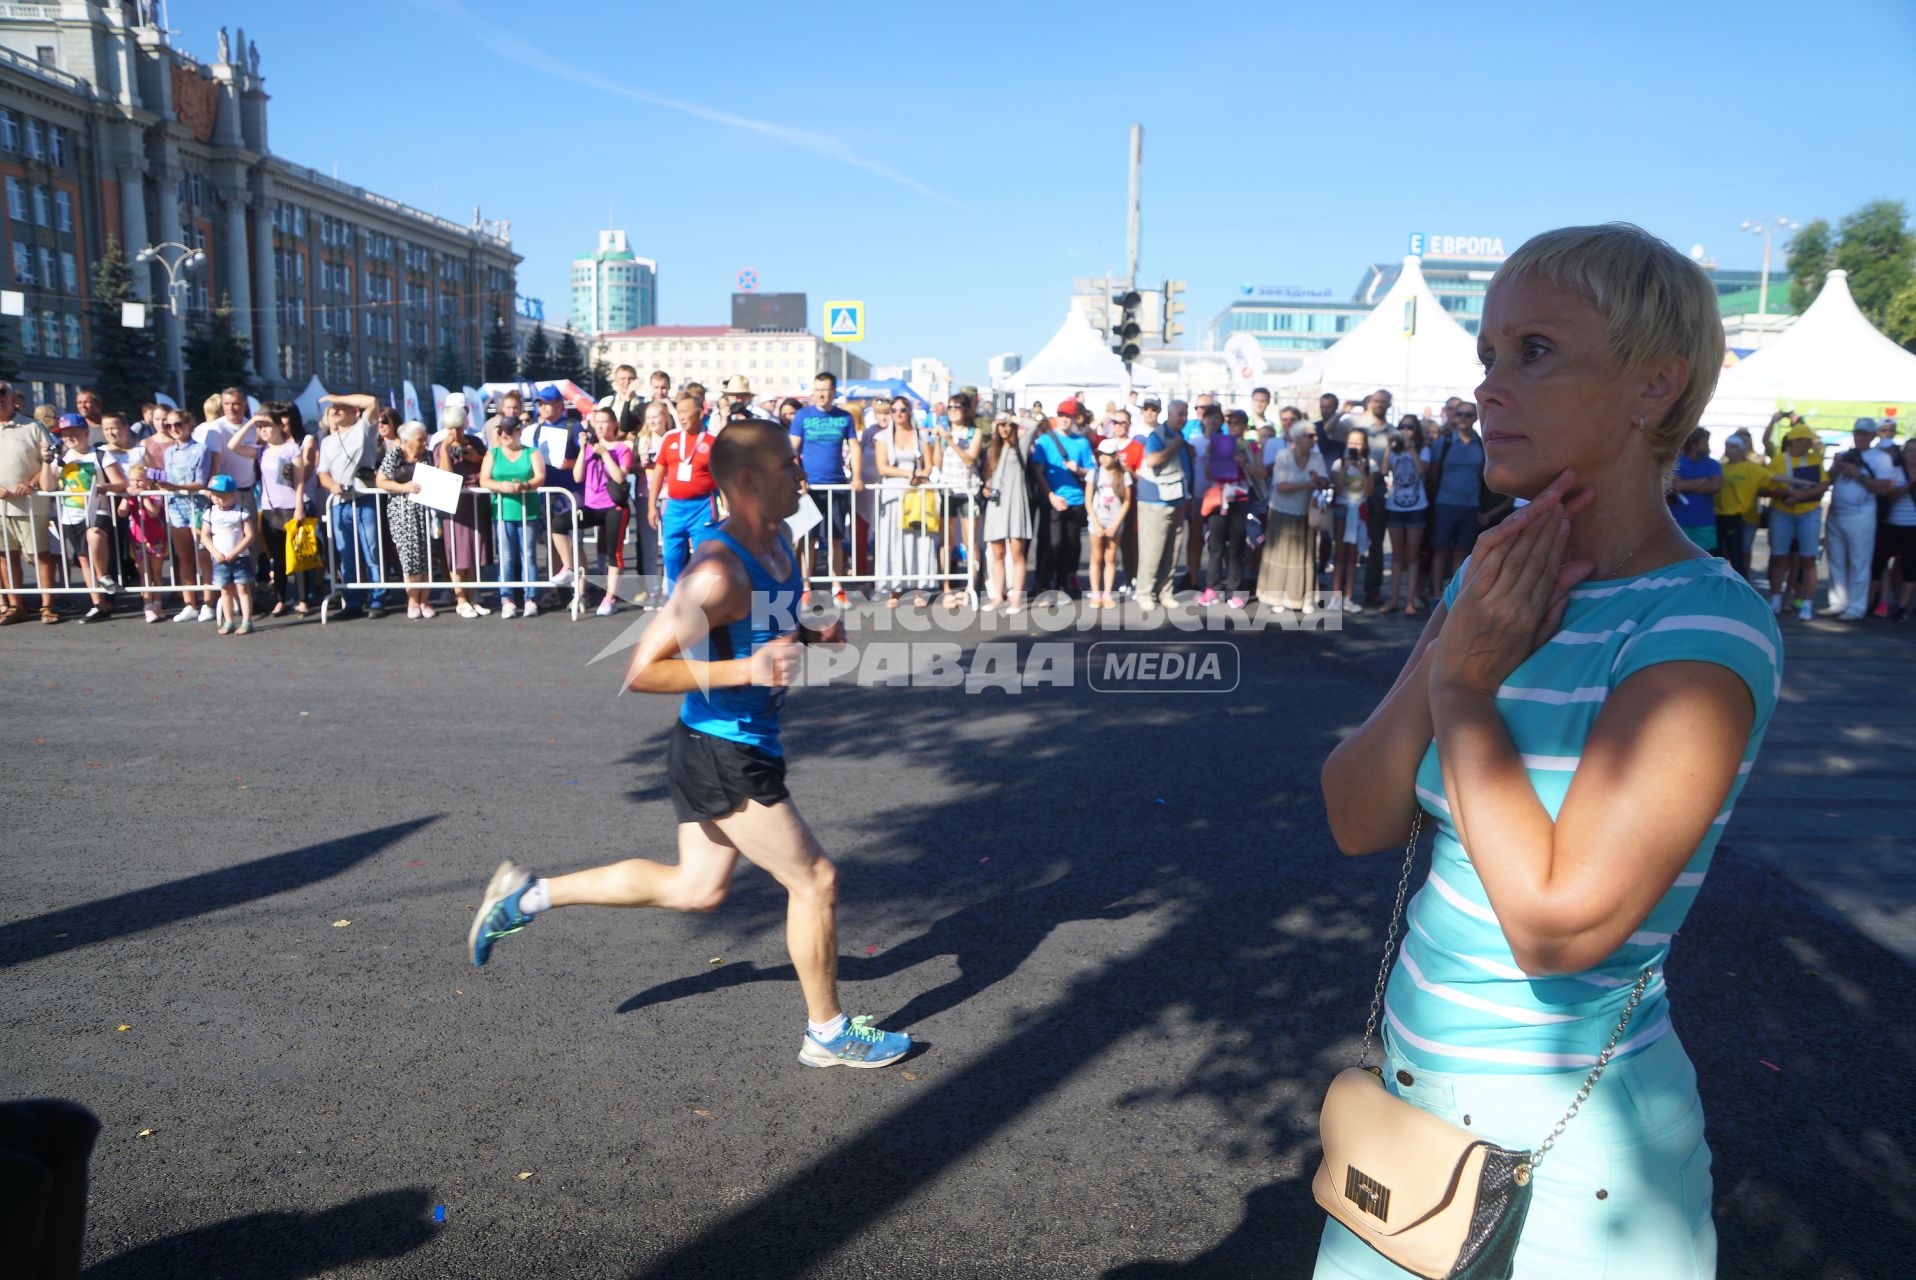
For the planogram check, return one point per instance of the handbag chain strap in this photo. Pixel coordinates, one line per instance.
(1529, 1166)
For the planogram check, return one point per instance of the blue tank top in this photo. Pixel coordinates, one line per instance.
(746, 714)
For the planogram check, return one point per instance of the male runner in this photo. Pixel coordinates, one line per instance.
(725, 767)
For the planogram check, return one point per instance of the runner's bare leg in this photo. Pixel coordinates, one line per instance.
(774, 837)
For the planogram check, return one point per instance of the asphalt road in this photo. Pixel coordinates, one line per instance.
(1115, 924)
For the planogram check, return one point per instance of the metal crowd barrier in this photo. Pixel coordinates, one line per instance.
(899, 560)
(66, 542)
(436, 522)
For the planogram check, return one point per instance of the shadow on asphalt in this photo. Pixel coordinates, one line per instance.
(163, 904)
(283, 1246)
(1265, 955)
(1258, 941)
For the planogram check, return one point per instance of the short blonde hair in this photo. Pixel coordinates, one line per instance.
(1658, 304)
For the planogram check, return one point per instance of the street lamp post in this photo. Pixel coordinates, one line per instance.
(1766, 227)
(177, 259)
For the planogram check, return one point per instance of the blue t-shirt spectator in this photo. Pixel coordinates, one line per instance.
(821, 436)
(1461, 477)
(1147, 485)
(1695, 510)
(1054, 449)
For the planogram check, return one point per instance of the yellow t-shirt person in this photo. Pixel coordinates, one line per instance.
(1807, 465)
(1737, 497)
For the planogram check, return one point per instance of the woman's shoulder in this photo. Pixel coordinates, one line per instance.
(1698, 610)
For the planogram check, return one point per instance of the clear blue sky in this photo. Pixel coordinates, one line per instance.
(955, 168)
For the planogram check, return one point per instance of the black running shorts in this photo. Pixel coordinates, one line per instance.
(711, 777)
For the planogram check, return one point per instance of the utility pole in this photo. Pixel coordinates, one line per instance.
(1131, 235)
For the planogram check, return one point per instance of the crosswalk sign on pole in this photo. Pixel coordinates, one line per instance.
(844, 322)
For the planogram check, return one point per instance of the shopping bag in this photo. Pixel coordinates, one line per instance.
(919, 511)
(302, 544)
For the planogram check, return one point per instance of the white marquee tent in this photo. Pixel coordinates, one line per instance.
(1832, 354)
(1436, 361)
(1076, 359)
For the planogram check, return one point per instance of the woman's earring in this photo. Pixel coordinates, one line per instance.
(1640, 422)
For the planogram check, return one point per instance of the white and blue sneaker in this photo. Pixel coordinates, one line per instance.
(499, 914)
(858, 1044)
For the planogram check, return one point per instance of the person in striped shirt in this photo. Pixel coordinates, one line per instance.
(1578, 717)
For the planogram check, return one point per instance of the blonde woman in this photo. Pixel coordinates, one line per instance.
(1577, 720)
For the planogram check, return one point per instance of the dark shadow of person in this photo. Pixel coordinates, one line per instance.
(283, 1246)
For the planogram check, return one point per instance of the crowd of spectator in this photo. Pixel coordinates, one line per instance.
(1351, 508)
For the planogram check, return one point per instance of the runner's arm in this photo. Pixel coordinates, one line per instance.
(713, 593)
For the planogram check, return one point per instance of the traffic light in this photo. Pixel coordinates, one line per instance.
(1127, 329)
(1172, 310)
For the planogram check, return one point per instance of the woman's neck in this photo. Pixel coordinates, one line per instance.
(1628, 528)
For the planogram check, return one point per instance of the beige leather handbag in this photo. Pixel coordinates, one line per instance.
(1436, 1199)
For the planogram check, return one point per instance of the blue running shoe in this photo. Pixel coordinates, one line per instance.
(860, 1044)
(499, 913)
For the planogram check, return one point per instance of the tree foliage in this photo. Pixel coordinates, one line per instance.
(129, 359)
(535, 363)
(1811, 256)
(216, 357)
(1900, 320)
(568, 360)
(1874, 245)
(496, 357)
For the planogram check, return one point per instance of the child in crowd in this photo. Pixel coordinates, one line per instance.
(145, 515)
(1110, 507)
(85, 525)
(231, 534)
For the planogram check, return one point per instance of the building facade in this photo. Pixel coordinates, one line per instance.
(614, 290)
(123, 136)
(1289, 321)
(780, 364)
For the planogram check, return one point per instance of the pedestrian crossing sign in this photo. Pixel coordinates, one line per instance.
(844, 322)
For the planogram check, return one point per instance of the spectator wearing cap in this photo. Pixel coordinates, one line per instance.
(231, 536)
(1161, 497)
(1798, 481)
(557, 437)
(515, 471)
(1065, 460)
(85, 522)
(1885, 433)
(1861, 476)
(1737, 517)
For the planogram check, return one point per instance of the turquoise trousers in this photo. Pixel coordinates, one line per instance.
(1624, 1194)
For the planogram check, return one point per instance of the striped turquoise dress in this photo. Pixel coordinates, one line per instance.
(1471, 1037)
(1456, 1000)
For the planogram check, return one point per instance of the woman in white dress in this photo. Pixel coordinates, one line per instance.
(907, 558)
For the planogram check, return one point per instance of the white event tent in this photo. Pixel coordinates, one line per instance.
(1434, 362)
(1832, 356)
(1076, 359)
